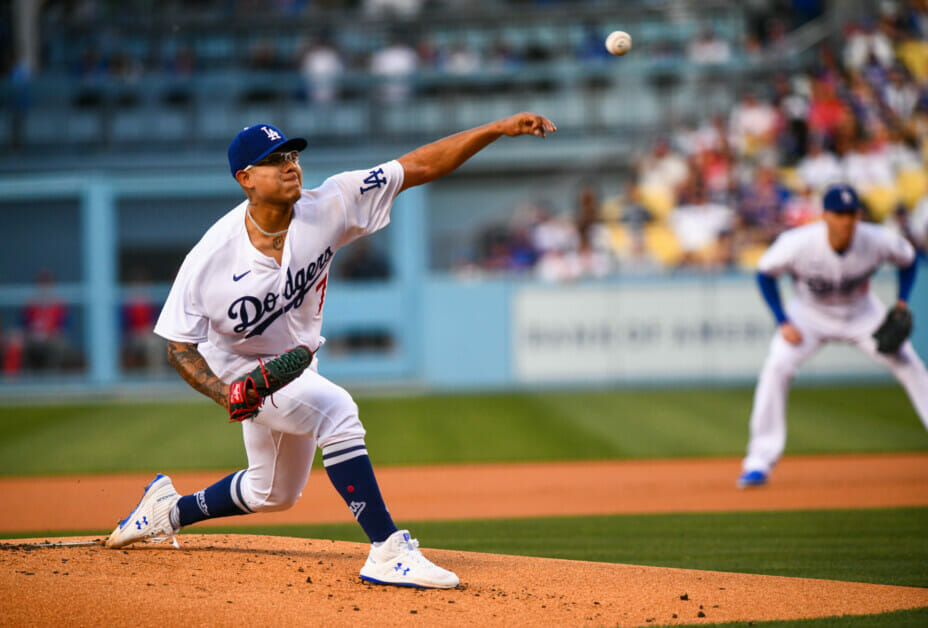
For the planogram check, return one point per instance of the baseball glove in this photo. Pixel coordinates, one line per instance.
(894, 330)
(266, 379)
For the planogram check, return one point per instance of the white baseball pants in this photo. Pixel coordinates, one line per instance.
(281, 441)
(768, 416)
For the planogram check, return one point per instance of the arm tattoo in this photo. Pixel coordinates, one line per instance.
(191, 365)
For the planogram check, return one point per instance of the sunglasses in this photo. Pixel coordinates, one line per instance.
(277, 159)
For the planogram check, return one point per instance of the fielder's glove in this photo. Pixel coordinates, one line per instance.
(894, 330)
(266, 379)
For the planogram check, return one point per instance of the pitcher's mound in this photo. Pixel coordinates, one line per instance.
(229, 580)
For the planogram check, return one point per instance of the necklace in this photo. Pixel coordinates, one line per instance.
(267, 233)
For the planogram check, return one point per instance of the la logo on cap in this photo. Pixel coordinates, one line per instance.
(271, 134)
(846, 197)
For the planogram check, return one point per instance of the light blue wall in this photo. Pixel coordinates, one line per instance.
(466, 333)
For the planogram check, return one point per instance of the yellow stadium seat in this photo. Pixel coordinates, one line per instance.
(790, 178)
(620, 242)
(881, 201)
(663, 244)
(914, 54)
(912, 185)
(750, 255)
(659, 201)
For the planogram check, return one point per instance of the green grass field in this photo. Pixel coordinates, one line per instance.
(887, 546)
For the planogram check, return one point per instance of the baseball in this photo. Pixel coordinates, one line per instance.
(618, 43)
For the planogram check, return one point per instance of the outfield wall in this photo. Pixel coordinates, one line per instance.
(445, 332)
(636, 332)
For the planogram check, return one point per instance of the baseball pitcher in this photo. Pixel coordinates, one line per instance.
(831, 262)
(243, 321)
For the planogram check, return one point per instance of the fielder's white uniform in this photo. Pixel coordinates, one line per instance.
(238, 305)
(833, 302)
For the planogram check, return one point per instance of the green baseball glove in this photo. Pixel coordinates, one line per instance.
(266, 379)
(894, 330)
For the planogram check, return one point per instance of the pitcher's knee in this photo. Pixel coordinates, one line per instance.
(275, 502)
(264, 498)
(778, 370)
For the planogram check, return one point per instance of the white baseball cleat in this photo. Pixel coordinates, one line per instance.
(398, 561)
(151, 519)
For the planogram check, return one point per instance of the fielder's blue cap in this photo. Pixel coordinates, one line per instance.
(254, 143)
(841, 198)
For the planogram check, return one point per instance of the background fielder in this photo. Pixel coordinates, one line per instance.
(831, 262)
(253, 287)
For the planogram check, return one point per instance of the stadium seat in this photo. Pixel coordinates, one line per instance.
(620, 242)
(881, 201)
(659, 201)
(663, 244)
(912, 185)
(914, 55)
(791, 179)
(750, 255)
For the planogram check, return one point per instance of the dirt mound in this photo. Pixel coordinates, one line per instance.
(225, 580)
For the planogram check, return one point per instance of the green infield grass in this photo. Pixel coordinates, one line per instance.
(440, 429)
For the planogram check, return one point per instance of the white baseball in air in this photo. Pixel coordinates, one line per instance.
(618, 43)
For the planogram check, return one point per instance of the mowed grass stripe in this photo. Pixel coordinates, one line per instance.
(437, 429)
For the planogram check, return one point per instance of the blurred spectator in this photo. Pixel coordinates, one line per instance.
(697, 222)
(708, 49)
(393, 8)
(11, 350)
(321, 67)
(142, 349)
(587, 212)
(866, 42)
(394, 66)
(502, 56)
(662, 168)
(819, 168)
(801, 208)
(900, 94)
(183, 62)
(760, 203)
(866, 107)
(867, 165)
(45, 321)
(902, 152)
(753, 127)
(827, 112)
(792, 102)
(552, 233)
(362, 262)
(263, 55)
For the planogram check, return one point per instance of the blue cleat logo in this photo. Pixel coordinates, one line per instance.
(402, 570)
(138, 524)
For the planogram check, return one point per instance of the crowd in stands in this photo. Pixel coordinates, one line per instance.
(713, 194)
(40, 336)
(324, 52)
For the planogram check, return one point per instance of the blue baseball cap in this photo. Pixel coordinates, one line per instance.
(254, 143)
(841, 199)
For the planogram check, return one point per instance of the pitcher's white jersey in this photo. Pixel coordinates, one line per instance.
(238, 304)
(826, 279)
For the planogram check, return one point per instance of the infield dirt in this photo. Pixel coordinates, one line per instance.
(224, 580)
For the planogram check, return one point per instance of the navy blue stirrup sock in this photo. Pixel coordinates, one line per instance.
(352, 475)
(222, 499)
